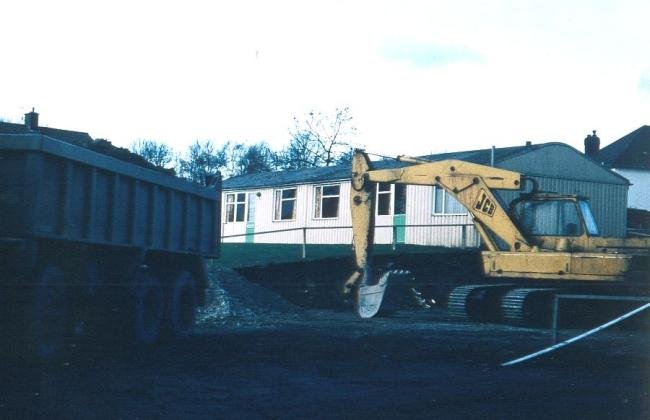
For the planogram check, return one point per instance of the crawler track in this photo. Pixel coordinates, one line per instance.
(478, 302)
(527, 306)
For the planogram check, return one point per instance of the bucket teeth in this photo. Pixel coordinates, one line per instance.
(370, 297)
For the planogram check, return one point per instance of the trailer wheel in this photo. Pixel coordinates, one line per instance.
(181, 307)
(48, 313)
(93, 279)
(148, 308)
(91, 307)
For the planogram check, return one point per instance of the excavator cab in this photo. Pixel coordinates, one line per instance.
(555, 221)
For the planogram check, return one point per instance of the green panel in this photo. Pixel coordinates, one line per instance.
(239, 255)
(399, 220)
(250, 230)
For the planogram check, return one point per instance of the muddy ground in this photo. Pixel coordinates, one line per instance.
(256, 355)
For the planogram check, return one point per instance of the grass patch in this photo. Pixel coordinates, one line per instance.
(238, 255)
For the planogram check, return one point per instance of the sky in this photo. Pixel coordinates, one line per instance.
(418, 77)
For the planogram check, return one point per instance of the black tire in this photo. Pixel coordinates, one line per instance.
(92, 309)
(93, 279)
(147, 311)
(181, 305)
(47, 314)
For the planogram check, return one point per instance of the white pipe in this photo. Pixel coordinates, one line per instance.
(578, 337)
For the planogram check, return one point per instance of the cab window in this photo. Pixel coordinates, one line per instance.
(590, 220)
(548, 218)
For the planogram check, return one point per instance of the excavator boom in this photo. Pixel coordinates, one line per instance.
(469, 183)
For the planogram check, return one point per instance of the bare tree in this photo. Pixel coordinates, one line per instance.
(345, 157)
(233, 153)
(255, 159)
(301, 153)
(319, 140)
(242, 159)
(158, 154)
(203, 161)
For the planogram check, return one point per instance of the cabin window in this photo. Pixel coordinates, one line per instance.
(285, 204)
(235, 207)
(386, 204)
(444, 203)
(326, 201)
(400, 198)
(252, 201)
(383, 199)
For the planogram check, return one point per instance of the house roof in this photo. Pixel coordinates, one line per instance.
(339, 172)
(82, 139)
(291, 177)
(75, 137)
(630, 151)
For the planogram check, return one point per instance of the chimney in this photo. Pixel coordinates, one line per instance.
(592, 144)
(31, 120)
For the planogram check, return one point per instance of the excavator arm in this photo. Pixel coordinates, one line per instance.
(471, 184)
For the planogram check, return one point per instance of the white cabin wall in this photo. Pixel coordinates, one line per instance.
(264, 218)
(305, 196)
(419, 211)
(331, 230)
(338, 230)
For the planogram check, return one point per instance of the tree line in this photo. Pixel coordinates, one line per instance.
(316, 139)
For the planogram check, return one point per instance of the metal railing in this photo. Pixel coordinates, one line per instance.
(464, 232)
(638, 232)
(556, 305)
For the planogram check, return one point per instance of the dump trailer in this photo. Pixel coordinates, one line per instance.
(543, 243)
(93, 244)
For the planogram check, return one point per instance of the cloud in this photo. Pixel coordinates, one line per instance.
(425, 55)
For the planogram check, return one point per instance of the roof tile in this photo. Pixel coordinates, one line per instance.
(630, 151)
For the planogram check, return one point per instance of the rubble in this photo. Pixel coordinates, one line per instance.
(230, 297)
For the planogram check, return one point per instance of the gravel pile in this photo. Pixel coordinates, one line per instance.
(232, 298)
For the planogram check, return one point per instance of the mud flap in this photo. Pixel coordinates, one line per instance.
(385, 296)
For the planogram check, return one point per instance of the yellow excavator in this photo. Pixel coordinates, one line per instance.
(542, 243)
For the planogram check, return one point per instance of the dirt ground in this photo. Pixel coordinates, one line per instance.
(255, 355)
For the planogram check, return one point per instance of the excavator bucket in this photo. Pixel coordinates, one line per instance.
(387, 295)
(372, 296)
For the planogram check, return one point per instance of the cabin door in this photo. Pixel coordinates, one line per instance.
(390, 213)
(250, 218)
(399, 213)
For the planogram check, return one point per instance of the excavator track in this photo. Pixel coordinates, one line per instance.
(527, 306)
(478, 302)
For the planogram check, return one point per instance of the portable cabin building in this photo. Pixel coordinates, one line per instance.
(312, 205)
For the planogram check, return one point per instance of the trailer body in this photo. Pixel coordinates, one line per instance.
(98, 221)
(54, 190)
